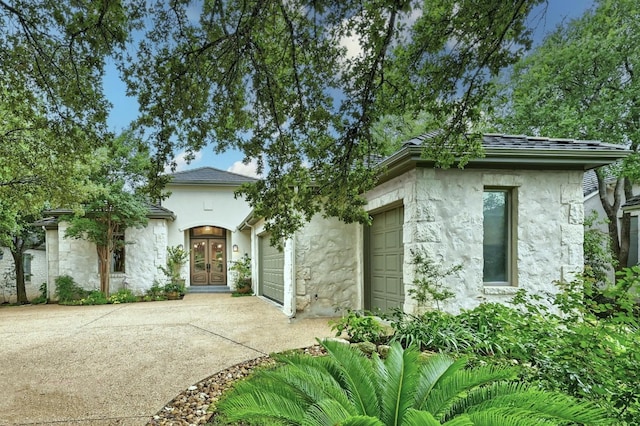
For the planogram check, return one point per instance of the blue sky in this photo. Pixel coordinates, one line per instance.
(125, 108)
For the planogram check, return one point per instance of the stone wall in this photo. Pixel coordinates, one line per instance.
(444, 217)
(32, 282)
(328, 267)
(144, 253)
(548, 213)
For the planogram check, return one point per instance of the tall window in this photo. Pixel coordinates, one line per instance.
(497, 242)
(26, 266)
(117, 257)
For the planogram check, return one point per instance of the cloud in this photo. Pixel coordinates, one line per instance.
(183, 161)
(250, 169)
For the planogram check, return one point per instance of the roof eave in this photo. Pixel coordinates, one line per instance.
(411, 156)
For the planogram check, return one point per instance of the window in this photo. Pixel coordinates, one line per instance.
(26, 266)
(117, 257)
(633, 242)
(498, 236)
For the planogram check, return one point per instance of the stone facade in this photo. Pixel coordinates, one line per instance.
(328, 260)
(444, 217)
(144, 253)
(32, 281)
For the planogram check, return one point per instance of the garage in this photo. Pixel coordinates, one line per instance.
(270, 270)
(384, 289)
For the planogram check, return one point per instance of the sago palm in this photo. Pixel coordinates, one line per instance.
(347, 388)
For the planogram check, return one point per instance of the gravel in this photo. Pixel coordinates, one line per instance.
(191, 406)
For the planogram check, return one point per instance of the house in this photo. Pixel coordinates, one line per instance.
(513, 219)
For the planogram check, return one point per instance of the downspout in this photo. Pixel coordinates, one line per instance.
(46, 260)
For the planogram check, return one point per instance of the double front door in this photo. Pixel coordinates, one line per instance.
(208, 262)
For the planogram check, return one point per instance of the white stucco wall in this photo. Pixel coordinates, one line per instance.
(32, 282)
(328, 265)
(202, 205)
(444, 216)
(144, 253)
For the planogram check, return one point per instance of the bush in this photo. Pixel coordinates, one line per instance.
(123, 295)
(359, 327)
(67, 291)
(563, 341)
(42, 298)
(94, 298)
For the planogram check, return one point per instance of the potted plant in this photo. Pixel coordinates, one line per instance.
(177, 257)
(242, 270)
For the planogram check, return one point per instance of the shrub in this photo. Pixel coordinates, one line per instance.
(67, 291)
(360, 326)
(95, 297)
(347, 388)
(123, 295)
(42, 298)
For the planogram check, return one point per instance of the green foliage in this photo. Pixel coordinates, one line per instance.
(177, 256)
(287, 92)
(428, 283)
(174, 287)
(94, 297)
(155, 292)
(598, 258)
(432, 331)
(117, 202)
(582, 83)
(242, 270)
(124, 295)
(347, 388)
(67, 291)
(42, 298)
(360, 326)
(569, 342)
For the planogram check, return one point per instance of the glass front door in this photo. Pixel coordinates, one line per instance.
(208, 262)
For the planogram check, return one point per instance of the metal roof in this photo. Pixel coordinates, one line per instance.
(209, 176)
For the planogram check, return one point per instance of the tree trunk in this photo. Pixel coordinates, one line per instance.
(105, 266)
(21, 290)
(619, 230)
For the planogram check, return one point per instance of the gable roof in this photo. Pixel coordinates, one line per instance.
(208, 176)
(516, 151)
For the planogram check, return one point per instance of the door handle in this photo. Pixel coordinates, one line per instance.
(208, 267)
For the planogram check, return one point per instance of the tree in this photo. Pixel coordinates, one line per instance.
(117, 200)
(583, 82)
(279, 81)
(52, 109)
(347, 388)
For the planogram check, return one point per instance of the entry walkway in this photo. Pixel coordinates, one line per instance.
(119, 364)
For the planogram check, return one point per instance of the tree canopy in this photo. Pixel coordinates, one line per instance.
(583, 82)
(297, 85)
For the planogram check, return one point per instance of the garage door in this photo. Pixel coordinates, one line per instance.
(271, 270)
(385, 289)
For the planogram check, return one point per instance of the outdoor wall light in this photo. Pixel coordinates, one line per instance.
(235, 248)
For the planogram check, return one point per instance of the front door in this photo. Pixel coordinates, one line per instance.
(208, 261)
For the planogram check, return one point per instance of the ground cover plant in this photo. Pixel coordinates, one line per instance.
(563, 341)
(348, 388)
(68, 292)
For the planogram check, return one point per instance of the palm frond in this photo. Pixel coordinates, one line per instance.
(432, 371)
(398, 378)
(542, 405)
(459, 383)
(326, 412)
(261, 406)
(497, 417)
(419, 418)
(355, 374)
(362, 421)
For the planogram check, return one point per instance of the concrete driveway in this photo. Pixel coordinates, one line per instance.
(119, 364)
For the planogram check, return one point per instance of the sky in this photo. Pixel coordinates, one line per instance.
(125, 108)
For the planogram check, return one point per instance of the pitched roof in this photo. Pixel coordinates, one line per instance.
(51, 221)
(516, 152)
(589, 182)
(209, 176)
